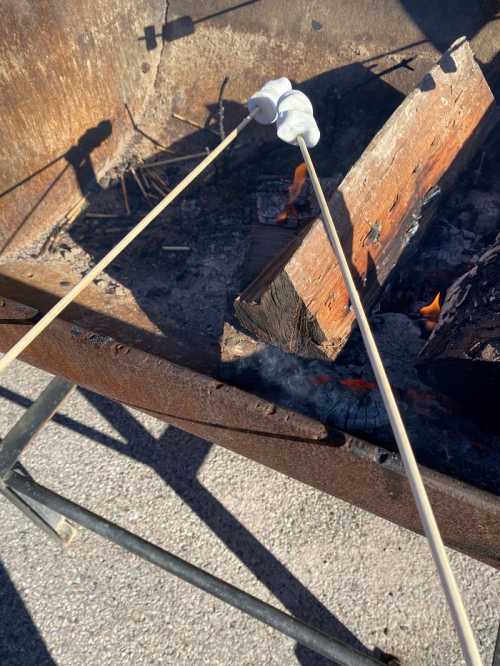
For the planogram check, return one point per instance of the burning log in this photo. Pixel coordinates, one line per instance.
(299, 301)
(462, 356)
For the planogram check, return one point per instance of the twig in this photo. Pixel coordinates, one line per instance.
(220, 103)
(138, 181)
(98, 215)
(144, 176)
(159, 180)
(176, 248)
(125, 195)
(193, 123)
(160, 191)
(144, 134)
(173, 160)
(75, 210)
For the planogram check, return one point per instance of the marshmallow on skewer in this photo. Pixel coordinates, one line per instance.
(296, 118)
(266, 100)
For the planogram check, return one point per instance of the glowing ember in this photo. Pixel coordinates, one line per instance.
(351, 383)
(431, 312)
(358, 384)
(289, 211)
(299, 178)
(322, 379)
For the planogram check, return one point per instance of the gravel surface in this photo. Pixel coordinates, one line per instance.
(355, 575)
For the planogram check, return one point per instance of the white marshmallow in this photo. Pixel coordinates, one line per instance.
(296, 117)
(266, 100)
(295, 100)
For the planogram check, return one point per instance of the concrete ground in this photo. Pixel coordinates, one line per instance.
(355, 575)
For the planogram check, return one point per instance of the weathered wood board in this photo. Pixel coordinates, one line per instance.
(299, 301)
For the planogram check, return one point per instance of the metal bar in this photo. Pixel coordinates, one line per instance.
(329, 647)
(31, 422)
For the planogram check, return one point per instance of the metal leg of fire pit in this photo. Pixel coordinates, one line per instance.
(31, 422)
(11, 447)
(52, 513)
(329, 647)
(49, 521)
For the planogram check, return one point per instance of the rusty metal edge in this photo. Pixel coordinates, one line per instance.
(335, 463)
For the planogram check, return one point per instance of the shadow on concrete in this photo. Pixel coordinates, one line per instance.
(20, 641)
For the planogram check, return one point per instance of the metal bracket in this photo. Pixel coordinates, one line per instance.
(56, 516)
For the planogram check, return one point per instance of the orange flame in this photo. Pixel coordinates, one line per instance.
(431, 312)
(299, 178)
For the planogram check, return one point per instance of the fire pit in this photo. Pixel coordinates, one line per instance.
(162, 316)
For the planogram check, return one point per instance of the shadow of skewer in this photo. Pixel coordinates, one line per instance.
(182, 26)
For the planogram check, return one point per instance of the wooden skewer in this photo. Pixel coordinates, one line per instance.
(42, 324)
(448, 582)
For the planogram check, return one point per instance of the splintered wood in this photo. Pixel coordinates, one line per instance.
(299, 301)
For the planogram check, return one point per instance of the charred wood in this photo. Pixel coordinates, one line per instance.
(462, 356)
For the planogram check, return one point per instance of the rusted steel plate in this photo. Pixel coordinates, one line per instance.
(300, 301)
(337, 46)
(66, 72)
(290, 443)
(142, 380)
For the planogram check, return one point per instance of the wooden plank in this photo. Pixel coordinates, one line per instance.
(299, 301)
